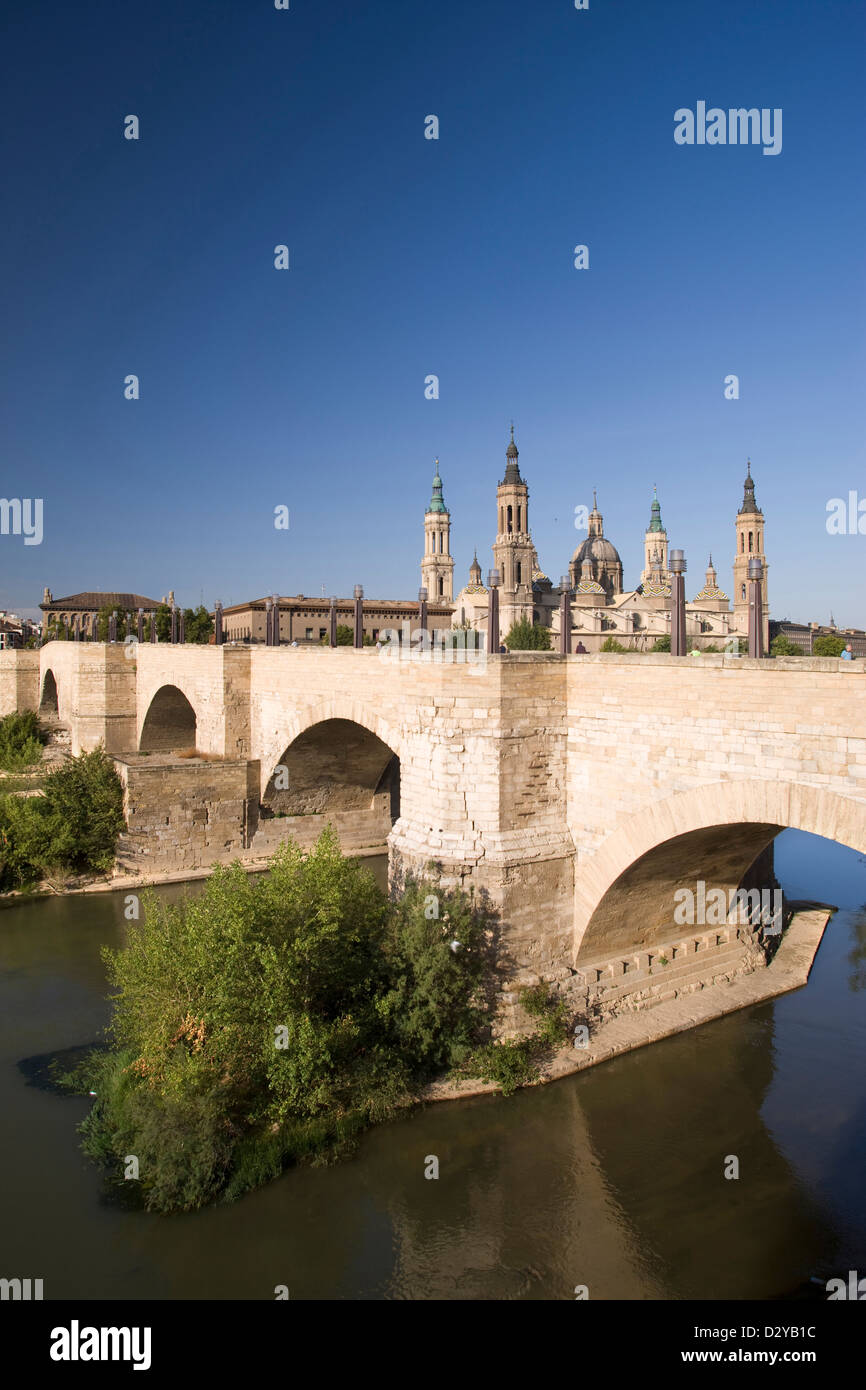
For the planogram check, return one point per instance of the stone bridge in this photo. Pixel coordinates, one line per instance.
(579, 791)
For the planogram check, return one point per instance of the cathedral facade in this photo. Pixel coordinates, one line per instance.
(602, 609)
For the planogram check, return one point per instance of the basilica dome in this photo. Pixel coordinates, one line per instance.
(597, 548)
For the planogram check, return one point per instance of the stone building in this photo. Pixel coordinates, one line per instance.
(307, 620)
(79, 610)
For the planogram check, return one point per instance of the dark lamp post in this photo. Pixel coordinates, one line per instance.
(493, 612)
(756, 607)
(565, 615)
(359, 615)
(678, 603)
(422, 608)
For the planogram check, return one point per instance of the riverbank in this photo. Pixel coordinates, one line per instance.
(119, 883)
(788, 970)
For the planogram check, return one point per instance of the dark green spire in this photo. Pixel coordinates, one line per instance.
(436, 502)
(655, 514)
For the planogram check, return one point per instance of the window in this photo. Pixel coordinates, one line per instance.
(743, 542)
(375, 634)
(518, 519)
(309, 634)
(742, 591)
(750, 542)
(323, 632)
(441, 586)
(510, 514)
(519, 572)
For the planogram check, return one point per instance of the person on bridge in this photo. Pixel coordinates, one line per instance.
(848, 654)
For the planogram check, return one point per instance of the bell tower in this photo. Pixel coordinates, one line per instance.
(513, 552)
(750, 542)
(437, 566)
(655, 543)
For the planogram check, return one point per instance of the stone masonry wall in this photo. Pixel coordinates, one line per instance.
(185, 814)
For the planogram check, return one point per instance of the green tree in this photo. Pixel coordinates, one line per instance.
(610, 644)
(85, 810)
(662, 644)
(73, 825)
(198, 624)
(21, 741)
(828, 646)
(525, 636)
(271, 1019)
(783, 646)
(102, 620)
(163, 622)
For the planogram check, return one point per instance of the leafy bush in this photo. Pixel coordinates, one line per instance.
(508, 1064)
(21, 741)
(828, 646)
(270, 1020)
(73, 826)
(525, 636)
(662, 644)
(85, 801)
(610, 644)
(783, 646)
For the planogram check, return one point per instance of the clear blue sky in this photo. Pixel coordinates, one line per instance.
(409, 257)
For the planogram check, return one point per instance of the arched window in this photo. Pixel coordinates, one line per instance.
(750, 542)
(743, 542)
(501, 521)
(519, 527)
(441, 586)
(510, 519)
(519, 573)
(742, 591)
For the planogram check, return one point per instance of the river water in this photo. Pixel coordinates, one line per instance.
(612, 1179)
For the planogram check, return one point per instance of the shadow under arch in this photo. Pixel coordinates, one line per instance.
(625, 892)
(170, 723)
(48, 702)
(335, 765)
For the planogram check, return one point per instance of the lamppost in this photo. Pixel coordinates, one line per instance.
(181, 627)
(332, 622)
(269, 633)
(422, 608)
(565, 615)
(678, 604)
(493, 612)
(154, 635)
(275, 619)
(173, 622)
(94, 629)
(112, 628)
(218, 623)
(140, 625)
(756, 607)
(359, 615)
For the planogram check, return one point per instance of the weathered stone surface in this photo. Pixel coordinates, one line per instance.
(576, 793)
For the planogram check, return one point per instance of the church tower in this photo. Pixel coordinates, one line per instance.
(655, 544)
(750, 541)
(513, 553)
(437, 567)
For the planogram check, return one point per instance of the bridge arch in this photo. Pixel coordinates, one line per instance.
(49, 705)
(625, 891)
(333, 764)
(170, 723)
